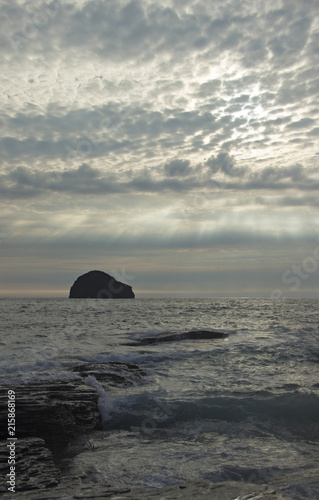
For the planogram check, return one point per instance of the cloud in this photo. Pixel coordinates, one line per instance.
(294, 172)
(303, 123)
(209, 88)
(224, 163)
(177, 168)
(226, 104)
(175, 176)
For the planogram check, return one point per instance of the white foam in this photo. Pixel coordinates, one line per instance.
(152, 333)
(108, 405)
(105, 405)
(145, 356)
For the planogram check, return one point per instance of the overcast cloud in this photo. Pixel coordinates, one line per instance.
(176, 140)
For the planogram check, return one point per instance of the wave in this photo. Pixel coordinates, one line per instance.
(143, 355)
(296, 412)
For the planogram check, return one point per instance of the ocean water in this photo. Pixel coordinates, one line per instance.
(242, 408)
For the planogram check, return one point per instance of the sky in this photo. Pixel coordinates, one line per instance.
(173, 145)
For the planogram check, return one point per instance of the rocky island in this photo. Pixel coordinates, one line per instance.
(99, 285)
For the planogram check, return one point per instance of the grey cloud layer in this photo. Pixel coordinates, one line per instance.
(114, 128)
(264, 40)
(179, 175)
(130, 125)
(125, 30)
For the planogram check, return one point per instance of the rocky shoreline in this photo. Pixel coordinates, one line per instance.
(45, 482)
(50, 414)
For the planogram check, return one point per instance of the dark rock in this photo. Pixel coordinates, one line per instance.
(170, 337)
(112, 372)
(49, 415)
(34, 466)
(196, 490)
(99, 285)
(55, 411)
(73, 488)
(58, 411)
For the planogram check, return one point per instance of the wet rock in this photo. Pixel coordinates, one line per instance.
(171, 337)
(34, 466)
(49, 414)
(197, 490)
(52, 410)
(112, 372)
(99, 285)
(57, 411)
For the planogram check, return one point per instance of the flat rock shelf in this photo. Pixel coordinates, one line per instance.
(49, 414)
(177, 336)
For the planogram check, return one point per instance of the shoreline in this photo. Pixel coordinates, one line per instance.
(301, 486)
(55, 412)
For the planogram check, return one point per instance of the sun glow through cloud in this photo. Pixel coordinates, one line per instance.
(151, 135)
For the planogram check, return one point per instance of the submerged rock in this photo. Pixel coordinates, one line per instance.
(175, 336)
(99, 285)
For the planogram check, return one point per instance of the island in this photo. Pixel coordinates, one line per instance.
(99, 285)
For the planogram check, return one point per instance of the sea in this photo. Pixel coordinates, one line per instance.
(240, 408)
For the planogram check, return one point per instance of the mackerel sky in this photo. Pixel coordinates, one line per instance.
(173, 144)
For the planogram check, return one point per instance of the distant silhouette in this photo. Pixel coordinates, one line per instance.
(99, 285)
